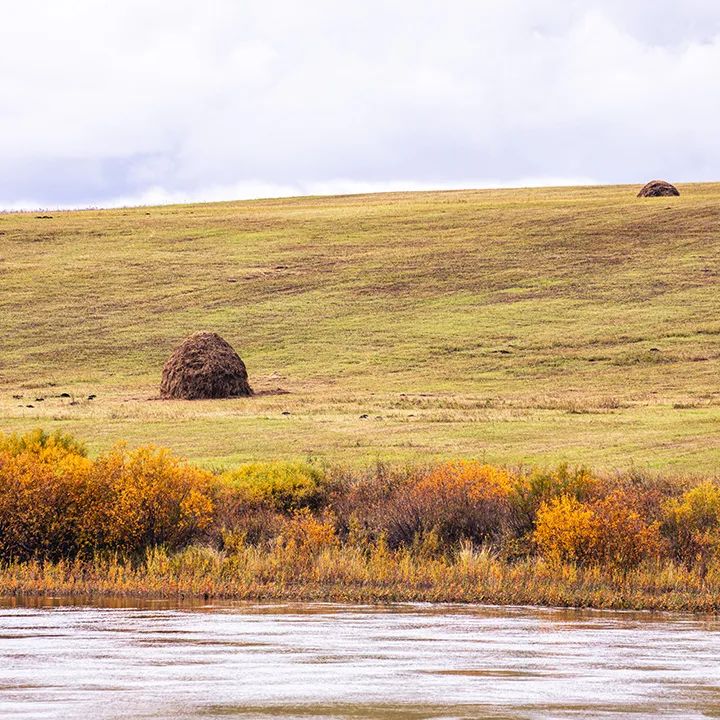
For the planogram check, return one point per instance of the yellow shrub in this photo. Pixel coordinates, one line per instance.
(531, 490)
(56, 503)
(284, 486)
(566, 530)
(42, 504)
(148, 497)
(693, 522)
(48, 447)
(307, 533)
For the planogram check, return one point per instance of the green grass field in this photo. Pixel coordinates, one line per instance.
(519, 326)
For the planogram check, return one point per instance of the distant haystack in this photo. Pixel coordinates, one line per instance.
(659, 188)
(204, 366)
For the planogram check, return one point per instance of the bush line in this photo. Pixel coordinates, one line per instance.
(143, 522)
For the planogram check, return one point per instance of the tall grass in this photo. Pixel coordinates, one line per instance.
(349, 574)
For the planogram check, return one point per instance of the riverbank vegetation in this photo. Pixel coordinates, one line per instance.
(143, 522)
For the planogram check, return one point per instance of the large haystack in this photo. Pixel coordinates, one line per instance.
(204, 366)
(659, 188)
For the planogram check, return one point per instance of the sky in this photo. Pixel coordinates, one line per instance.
(153, 101)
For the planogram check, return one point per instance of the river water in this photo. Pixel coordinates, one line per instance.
(159, 660)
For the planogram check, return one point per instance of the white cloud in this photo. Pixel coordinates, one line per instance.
(159, 101)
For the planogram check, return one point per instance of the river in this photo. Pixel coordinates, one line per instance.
(124, 659)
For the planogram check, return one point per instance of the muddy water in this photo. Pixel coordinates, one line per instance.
(323, 661)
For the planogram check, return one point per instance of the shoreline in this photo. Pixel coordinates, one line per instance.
(253, 576)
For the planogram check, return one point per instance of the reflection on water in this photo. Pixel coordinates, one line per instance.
(231, 660)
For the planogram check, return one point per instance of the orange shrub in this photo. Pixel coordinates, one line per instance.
(478, 482)
(624, 537)
(307, 533)
(42, 504)
(457, 500)
(566, 530)
(148, 497)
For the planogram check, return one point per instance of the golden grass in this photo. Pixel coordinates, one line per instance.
(529, 326)
(347, 574)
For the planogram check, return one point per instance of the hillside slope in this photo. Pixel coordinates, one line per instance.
(517, 325)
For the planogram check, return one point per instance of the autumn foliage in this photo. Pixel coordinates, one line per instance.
(56, 504)
(692, 523)
(457, 500)
(608, 531)
(566, 530)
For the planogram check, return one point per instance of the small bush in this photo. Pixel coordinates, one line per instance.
(43, 505)
(150, 498)
(462, 500)
(541, 486)
(283, 486)
(624, 537)
(361, 502)
(692, 523)
(235, 520)
(566, 530)
(49, 447)
(55, 503)
(308, 534)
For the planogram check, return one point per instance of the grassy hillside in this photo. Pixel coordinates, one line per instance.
(517, 326)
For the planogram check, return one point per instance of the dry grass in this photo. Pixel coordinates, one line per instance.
(349, 575)
(534, 326)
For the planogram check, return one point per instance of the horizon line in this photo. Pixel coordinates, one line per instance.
(158, 197)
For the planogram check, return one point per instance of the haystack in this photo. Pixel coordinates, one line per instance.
(204, 366)
(659, 188)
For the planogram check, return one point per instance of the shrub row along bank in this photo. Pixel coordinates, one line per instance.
(144, 522)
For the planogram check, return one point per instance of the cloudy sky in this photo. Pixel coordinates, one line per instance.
(143, 101)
